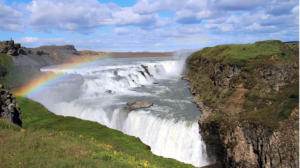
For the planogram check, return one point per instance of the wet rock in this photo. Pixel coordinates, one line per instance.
(109, 92)
(142, 73)
(146, 69)
(136, 104)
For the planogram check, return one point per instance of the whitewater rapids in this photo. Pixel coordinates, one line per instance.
(169, 127)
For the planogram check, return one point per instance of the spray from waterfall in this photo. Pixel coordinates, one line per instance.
(169, 127)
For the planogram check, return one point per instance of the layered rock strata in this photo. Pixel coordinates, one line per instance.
(249, 114)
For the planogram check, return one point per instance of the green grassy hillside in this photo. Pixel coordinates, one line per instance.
(49, 140)
(250, 55)
(13, 73)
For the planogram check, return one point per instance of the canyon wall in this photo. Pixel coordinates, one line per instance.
(249, 106)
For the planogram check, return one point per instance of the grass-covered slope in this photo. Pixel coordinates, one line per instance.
(14, 74)
(48, 140)
(250, 55)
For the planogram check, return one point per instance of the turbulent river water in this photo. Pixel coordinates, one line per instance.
(169, 127)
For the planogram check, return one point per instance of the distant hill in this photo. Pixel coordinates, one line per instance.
(141, 54)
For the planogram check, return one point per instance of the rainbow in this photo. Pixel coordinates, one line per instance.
(39, 83)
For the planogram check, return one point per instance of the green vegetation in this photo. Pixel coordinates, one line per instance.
(13, 73)
(56, 141)
(249, 55)
(271, 107)
(48, 140)
(45, 148)
(231, 145)
(261, 103)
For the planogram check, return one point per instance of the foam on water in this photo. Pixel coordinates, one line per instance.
(169, 127)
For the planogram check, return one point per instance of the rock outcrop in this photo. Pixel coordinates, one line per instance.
(10, 48)
(250, 113)
(10, 109)
(89, 52)
(66, 49)
(147, 70)
(136, 104)
(14, 49)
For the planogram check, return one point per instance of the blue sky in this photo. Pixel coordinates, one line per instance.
(147, 25)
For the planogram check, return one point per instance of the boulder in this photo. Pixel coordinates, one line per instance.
(136, 104)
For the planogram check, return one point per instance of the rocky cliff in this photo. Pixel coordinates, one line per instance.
(10, 109)
(10, 48)
(249, 97)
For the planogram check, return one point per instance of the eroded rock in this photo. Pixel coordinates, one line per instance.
(10, 109)
(136, 104)
(9, 47)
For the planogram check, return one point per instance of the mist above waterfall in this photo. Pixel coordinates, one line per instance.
(169, 127)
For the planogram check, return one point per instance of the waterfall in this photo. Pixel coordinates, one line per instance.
(169, 127)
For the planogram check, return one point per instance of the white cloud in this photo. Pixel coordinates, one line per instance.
(237, 5)
(28, 40)
(227, 27)
(144, 7)
(10, 19)
(146, 25)
(189, 29)
(258, 27)
(281, 7)
(120, 30)
(83, 16)
(295, 10)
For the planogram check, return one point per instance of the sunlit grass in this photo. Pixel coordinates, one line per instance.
(49, 140)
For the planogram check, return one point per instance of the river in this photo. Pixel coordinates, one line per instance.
(169, 127)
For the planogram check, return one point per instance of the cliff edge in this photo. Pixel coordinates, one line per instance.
(249, 97)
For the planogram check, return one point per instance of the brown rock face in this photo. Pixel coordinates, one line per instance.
(67, 49)
(9, 107)
(241, 109)
(9, 47)
(12, 52)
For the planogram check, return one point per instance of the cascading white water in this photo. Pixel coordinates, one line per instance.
(169, 127)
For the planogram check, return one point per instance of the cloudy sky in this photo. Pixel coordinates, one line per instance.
(147, 25)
